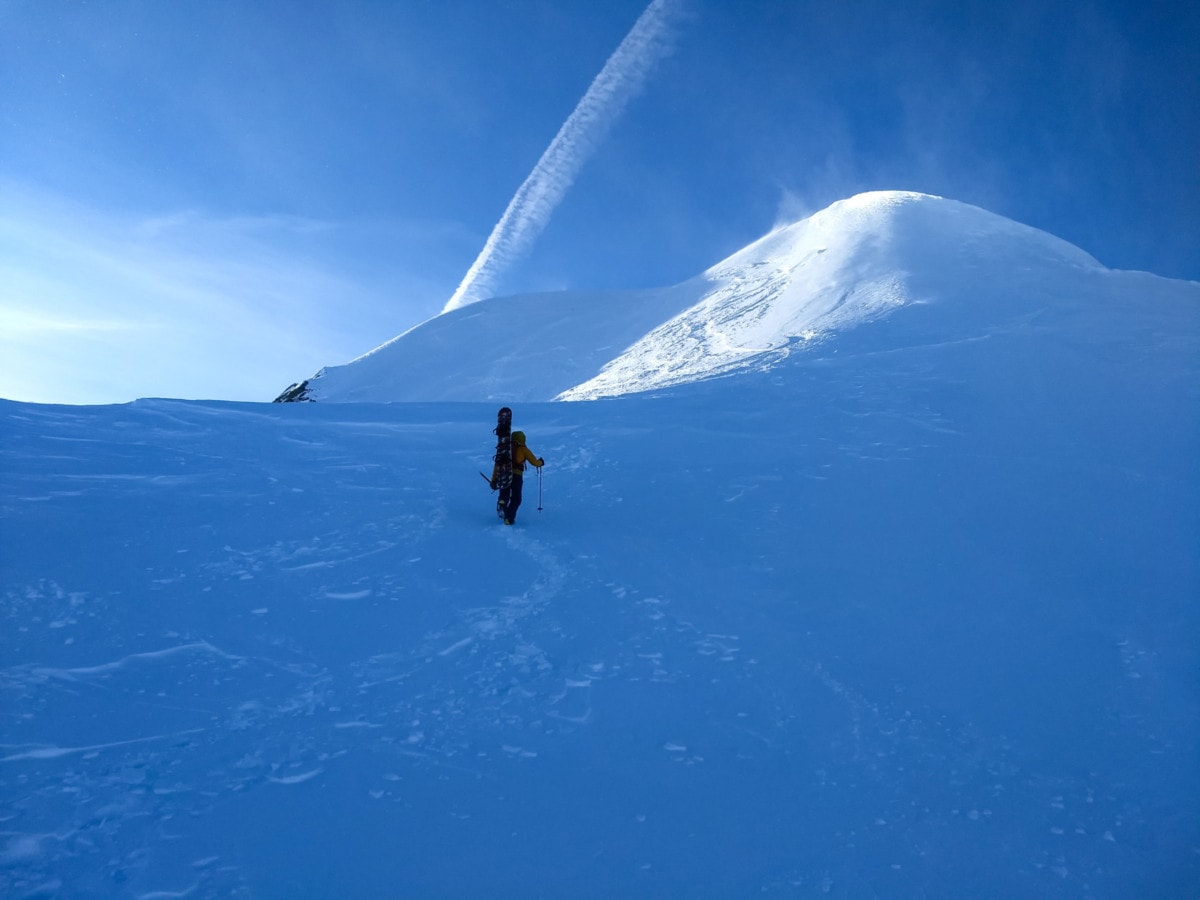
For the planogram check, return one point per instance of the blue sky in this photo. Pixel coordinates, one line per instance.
(207, 199)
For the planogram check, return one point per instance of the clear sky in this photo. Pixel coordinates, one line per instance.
(212, 199)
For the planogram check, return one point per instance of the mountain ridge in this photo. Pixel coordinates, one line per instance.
(797, 288)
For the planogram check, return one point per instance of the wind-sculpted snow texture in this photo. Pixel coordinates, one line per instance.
(846, 266)
(909, 623)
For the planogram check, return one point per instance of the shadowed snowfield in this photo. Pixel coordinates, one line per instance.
(903, 605)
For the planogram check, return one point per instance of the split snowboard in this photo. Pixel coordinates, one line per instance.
(503, 457)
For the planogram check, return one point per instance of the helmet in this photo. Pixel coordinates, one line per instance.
(518, 438)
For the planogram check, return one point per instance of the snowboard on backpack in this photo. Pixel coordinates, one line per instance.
(503, 457)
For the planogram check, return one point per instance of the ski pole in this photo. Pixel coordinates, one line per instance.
(539, 488)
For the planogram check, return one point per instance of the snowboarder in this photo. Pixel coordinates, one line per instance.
(510, 494)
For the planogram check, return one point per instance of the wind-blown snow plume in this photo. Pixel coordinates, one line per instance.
(535, 200)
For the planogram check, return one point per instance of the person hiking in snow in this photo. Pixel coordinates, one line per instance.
(510, 497)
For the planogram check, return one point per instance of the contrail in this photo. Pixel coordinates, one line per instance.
(530, 208)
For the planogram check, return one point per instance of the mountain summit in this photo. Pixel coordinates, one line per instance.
(935, 269)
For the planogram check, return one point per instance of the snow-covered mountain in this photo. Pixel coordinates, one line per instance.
(907, 608)
(879, 255)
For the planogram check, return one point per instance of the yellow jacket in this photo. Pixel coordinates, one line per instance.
(520, 455)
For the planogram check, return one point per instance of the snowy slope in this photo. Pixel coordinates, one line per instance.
(911, 613)
(858, 261)
(522, 348)
(915, 623)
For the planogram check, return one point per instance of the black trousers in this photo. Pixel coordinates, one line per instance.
(510, 497)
